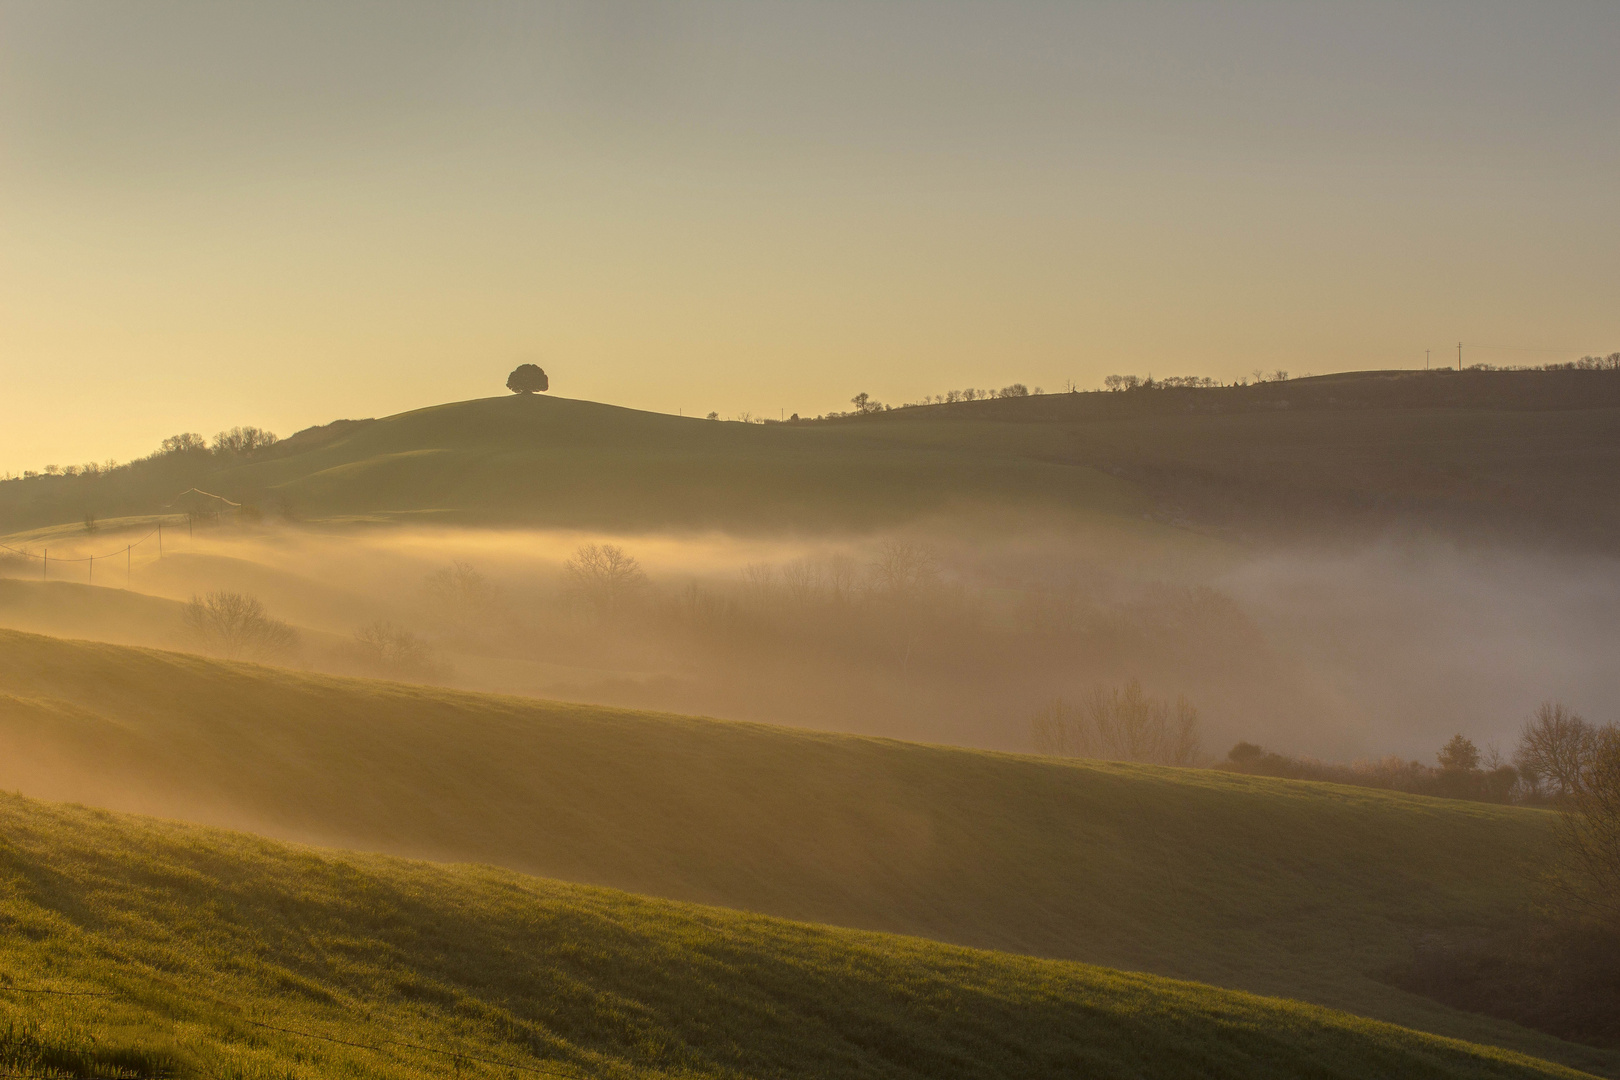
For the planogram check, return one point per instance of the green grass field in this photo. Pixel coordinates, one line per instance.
(1529, 453)
(1294, 889)
(137, 948)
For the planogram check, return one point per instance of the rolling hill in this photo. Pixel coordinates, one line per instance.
(1529, 454)
(135, 948)
(1294, 889)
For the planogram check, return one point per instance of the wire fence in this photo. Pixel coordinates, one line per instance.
(127, 551)
(155, 537)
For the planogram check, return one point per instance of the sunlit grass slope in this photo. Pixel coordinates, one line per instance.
(74, 610)
(1513, 450)
(1296, 889)
(186, 952)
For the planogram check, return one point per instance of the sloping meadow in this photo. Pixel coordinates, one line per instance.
(1302, 890)
(141, 949)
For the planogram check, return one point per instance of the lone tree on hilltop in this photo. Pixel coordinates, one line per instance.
(528, 379)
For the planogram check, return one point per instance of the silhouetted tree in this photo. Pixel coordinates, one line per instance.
(528, 379)
(243, 440)
(1591, 829)
(1459, 755)
(235, 625)
(605, 575)
(1555, 748)
(187, 442)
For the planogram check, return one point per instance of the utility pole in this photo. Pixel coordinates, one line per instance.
(1459, 357)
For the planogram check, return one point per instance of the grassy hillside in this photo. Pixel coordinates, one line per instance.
(136, 948)
(1526, 452)
(1296, 889)
(68, 609)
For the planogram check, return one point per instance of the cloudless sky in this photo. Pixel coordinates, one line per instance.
(285, 213)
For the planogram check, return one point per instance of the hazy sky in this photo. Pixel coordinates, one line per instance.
(285, 213)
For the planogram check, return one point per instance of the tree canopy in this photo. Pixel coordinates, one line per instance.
(528, 379)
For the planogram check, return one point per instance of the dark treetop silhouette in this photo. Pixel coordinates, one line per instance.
(527, 379)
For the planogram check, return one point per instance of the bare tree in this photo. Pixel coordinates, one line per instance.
(386, 648)
(241, 440)
(461, 598)
(1121, 724)
(759, 582)
(903, 570)
(1590, 830)
(842, 575)
(234, 625)
(801, 579)
(1060, 731)
(605, 575)
(1555, 747)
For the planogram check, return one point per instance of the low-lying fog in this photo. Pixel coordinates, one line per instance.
(932, 634)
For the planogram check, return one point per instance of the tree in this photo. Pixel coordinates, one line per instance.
(1555, 748)
(528, 379)
(187, 442)
(385, 648)
(235, 625)
(605, 575)
(1121, 724)
(1459, 755)
(461, 599)
(903, 570)
(243, 440)
(1590, 829)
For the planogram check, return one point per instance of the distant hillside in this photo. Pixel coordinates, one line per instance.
(1297, 889)
(137, 948)
(1533, 454)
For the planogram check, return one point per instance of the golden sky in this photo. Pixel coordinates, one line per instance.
(280, 214)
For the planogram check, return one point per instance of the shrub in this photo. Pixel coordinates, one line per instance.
(384, 648)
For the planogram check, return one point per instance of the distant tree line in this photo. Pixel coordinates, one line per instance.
(1556, 749)
(237, 442)
(1610, 362)
(1116, 383)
